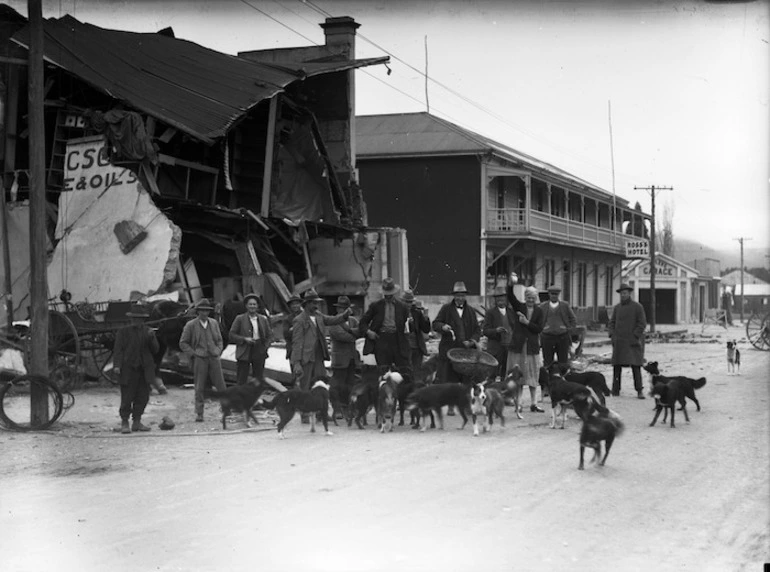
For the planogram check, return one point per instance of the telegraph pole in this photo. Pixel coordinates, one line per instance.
(741, 239)
(37, 206)
(651, 189)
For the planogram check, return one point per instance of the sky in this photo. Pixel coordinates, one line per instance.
(681, 86)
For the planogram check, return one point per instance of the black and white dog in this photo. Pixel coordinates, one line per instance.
(733, 358)
(315, 401)
(486, 402)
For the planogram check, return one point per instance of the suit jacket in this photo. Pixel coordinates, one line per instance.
(528, 334)
(344, 336)
(374, 318)
(448, 315)
(135, 347)
(194, 338)
(305, 335)
(420, 327)
(242, 329)
(494, 319)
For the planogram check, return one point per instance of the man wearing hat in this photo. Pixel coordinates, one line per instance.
(498, 328)
(309, 350)
(457, 324)
(133, 362)
(345, 359)
(295, 307)
(251, 334)
(559, 323)
(384, 325)
(626, 329)
(202, 338)
(418, 326)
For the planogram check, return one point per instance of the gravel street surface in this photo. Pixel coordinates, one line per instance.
(695, 497)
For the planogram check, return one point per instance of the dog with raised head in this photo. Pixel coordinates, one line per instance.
(432, 398)
(593, 379)
(387, 400)
(565, 394)
(507, 387)
(604, 426)
(486, 402)
(238, 399)
(315, 401)
(733, 358)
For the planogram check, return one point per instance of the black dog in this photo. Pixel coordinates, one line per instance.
(593, 379)
(688, 384)
(666, 395)
(566, 394)
(597, 428)
(433, 397)
(238, 398)
(315, 401)
(363, 396)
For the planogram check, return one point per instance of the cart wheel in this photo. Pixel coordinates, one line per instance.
(63, 341)
(103, 361)
(758, 331)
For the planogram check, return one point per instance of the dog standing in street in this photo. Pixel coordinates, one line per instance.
(315, 401)
(486, 402)
(604, 426)
(733, 358)
(239, 399)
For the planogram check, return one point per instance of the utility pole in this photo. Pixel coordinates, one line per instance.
(37, 206)
(651, 189)
(741, 239)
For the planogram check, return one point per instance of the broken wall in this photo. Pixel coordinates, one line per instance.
(88, 260)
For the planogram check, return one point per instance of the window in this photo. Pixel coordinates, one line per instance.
(582, 284)
(565, 281)
(608, 285)
(550, 273)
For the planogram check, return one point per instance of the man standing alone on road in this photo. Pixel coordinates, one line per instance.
(626, 330)
(559, 323)
(133, 362)
(201, 337)
(251, 335)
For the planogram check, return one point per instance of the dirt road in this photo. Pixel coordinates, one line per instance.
(696, 497)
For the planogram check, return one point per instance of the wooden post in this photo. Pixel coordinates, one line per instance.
(37, 207)
(6, 261)
(267, 173)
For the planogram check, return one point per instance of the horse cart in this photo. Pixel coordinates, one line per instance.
(758, 330)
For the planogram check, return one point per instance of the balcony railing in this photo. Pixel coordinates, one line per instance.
(542, 224)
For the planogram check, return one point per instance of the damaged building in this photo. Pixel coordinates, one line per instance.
(175, 168)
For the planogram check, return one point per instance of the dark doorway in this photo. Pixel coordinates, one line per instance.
(665, 305)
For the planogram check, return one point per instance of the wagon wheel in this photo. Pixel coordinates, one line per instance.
(758, 331)
(100, 349)
(63, 341)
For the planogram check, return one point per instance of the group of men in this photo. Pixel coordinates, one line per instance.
(395, 329)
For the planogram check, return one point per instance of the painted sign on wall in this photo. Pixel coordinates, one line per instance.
(87, 168)
(638, 248)
(661, 269)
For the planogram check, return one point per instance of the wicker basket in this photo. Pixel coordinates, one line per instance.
(476, 364)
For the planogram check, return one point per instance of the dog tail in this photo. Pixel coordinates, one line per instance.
(698, 383)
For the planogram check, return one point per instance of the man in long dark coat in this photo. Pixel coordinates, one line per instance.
(133, 361)
(384, 325)
(459, 328)
(499, 323)
(626, 330)
(418, 326)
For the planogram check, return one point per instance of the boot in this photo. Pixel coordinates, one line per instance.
(137, 425)
(124, 428)
(199, 418)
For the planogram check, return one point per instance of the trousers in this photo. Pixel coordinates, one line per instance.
(205, 369)
(134, 395)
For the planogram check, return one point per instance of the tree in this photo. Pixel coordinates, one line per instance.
(637, 226)
(666, 231)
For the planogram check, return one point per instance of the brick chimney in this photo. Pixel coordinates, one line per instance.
(340, 34)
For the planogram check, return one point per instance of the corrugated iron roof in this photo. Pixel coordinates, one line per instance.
(423, 134)
(197, 90)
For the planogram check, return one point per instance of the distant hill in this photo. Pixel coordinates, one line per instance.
(686, 250)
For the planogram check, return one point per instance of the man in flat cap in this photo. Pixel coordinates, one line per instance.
(384, 325)
(251, 334)
(560, 322)
(626, 330)
(459, 328)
